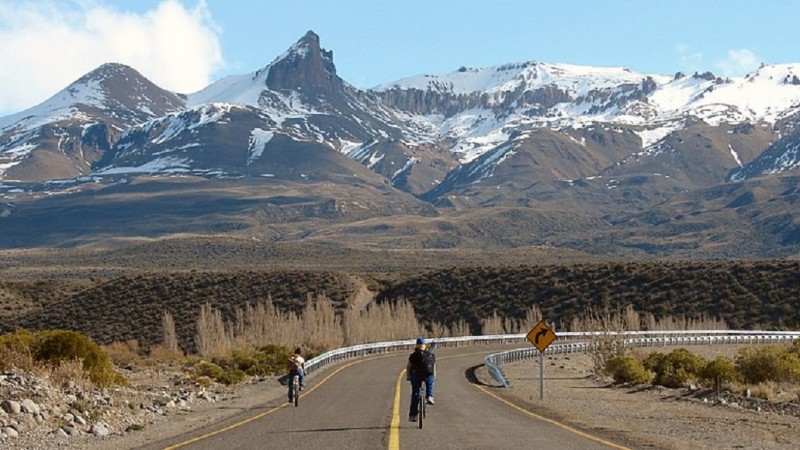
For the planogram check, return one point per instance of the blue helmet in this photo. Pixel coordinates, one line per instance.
(420, 341)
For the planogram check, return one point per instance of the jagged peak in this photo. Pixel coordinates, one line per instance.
(305, 64)
(305, 46)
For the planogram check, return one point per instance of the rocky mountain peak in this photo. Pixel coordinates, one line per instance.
(118, 86)
(108, 71)
(306, 66)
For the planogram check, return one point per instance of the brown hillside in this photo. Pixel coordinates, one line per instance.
(744, 294)
(121, 294)
(132, 307)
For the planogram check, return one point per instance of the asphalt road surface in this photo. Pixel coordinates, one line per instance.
(363, 404)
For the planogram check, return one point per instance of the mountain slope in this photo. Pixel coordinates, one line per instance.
(65, 135)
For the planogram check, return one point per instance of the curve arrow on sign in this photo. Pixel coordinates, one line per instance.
(540, 334)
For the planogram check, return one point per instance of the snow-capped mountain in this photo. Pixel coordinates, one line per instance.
(66, 134)
(434, 121)
(297, 100)
(780, 157)
(479, 110)
(610, 140)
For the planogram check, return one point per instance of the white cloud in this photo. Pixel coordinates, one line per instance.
(738, 63)
(47, 44)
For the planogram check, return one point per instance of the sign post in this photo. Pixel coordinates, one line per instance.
(541, 336)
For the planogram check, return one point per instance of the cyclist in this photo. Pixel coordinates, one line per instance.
(421, 367)
(296, 366)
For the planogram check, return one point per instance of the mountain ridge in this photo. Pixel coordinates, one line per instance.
(606, 142)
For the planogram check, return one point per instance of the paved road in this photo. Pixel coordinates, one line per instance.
(353, 406)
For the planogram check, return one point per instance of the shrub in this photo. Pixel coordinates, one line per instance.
(160, 353)
(717, 372)
(22, 340)
(267, 360)
(234, 376)
(273, 359)
(57, 346)
(13, 358)
(769, 363)
(795, 348)
(674, 369)
(206, 369)
(627, 369)
(67, 371)
(123, 354)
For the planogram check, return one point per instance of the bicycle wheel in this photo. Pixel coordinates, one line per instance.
(296, 389)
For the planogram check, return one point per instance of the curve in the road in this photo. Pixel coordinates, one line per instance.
(358, 411)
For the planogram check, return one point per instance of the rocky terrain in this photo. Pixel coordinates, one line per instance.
(38, 413)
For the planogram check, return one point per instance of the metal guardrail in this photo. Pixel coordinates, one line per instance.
(356, 351)
(361, 350)
(495, 361)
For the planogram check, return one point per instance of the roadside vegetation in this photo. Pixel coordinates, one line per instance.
(58, 354)
(769, 372)
(225, 326)
(743, 294)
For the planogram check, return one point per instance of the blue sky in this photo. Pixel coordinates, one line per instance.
(183, 45)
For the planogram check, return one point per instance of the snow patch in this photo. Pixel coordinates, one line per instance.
(258, 141)
(735, 156)
(168, 164)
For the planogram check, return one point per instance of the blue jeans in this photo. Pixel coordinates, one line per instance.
(302, 376)
(416, 381)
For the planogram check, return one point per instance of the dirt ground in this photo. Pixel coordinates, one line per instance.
(654, 418)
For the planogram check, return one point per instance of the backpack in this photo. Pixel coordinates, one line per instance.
(425, 363)
(429, 362)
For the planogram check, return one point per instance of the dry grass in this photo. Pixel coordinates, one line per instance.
(123, 354)
(608, 323)
(318, 327)
(69, 372)
(170, 342)
(775, 392)
(13, 358)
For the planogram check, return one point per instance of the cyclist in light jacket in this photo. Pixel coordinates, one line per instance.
(296, 366)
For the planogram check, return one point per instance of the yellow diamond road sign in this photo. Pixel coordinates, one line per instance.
(541, 336)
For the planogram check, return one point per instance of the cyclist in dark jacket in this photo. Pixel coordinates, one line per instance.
(421, 367)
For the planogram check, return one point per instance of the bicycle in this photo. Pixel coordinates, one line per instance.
(294, 395)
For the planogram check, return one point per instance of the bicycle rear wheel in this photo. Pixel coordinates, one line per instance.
(296, 389)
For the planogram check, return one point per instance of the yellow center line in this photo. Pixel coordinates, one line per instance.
(269, 411)
(394, 429)
(551, 421)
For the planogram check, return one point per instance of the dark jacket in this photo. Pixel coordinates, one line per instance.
(420, 361)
